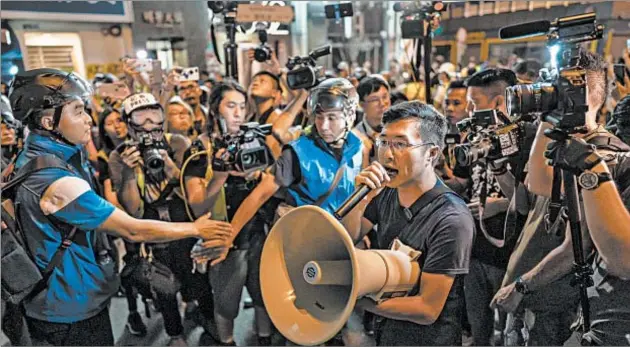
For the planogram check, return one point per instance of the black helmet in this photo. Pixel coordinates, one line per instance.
(36, 90)
(334, 93)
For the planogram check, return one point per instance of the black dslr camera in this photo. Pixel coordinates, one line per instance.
(243, 153)
(262, 53)
(561, 96)
(151, 156)
(487, 138)
(150, 152)
(307, 75)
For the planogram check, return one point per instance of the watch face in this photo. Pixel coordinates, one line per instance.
(588, 180)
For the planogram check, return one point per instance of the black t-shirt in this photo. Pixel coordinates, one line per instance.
(483, 250)
(236, 191)
(442, 230)
(610, 296)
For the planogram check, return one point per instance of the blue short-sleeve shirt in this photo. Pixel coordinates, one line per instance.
(80, 286)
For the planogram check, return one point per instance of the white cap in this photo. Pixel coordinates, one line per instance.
(140, 100)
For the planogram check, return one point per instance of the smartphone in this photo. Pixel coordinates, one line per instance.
(628, 45)
(156, 70)
(144, 65)
(620, 73)
(116, 90)
(189, 74)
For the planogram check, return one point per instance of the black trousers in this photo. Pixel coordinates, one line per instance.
(95, 331)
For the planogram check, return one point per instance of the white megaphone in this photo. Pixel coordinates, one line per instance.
(311, 275)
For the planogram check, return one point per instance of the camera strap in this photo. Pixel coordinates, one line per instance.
(333, 185)
(483, 196)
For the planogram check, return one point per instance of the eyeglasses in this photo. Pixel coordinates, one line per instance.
(397, 146)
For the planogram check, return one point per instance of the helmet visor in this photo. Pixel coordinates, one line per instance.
(324, 102)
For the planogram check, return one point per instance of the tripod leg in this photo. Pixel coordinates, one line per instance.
(582, 270)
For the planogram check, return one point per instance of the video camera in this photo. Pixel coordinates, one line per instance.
(308, 74)
(414, 14)
(487, 137)
(561, 95)
(243, 154)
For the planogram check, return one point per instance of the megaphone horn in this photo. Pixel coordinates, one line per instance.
(311, 275)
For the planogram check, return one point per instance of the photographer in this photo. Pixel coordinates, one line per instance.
(436, 222)
(266, 93)
(605, 218)
(454, 106)
(374, 99)
(492, 248)
(73, 308)
(145, 175)
(211, 187)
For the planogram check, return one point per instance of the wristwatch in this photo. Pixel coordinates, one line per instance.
(589, 180)
(521, 286)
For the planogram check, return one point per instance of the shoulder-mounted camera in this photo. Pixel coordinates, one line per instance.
(245, 151)
(304, 72)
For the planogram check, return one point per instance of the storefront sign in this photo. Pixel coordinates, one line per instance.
(162, 19)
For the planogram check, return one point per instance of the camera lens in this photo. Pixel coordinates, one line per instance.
(303, 77)
(153, 161)
(262, 54)
(524, 99)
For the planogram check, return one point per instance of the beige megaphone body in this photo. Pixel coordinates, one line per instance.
(311, 275)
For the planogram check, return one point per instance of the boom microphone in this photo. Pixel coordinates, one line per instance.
(352, 201)
(522, 30)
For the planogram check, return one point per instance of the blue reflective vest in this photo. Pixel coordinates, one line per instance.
(318, 167)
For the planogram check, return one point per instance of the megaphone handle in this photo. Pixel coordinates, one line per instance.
(352, 201)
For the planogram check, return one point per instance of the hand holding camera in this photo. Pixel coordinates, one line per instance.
(132, 157)
(574, 155)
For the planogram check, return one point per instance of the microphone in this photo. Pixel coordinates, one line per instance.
(528, 29)
(352, 201)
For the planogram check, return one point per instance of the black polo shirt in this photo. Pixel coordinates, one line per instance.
(442, 228)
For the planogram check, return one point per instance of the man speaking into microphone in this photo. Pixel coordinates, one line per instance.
(409, 203)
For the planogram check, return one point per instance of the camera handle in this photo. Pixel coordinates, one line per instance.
(581, 270)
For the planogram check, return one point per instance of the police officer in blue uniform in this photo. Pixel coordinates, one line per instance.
(306, 172)
(73, 309)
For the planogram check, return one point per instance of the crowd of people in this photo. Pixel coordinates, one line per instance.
(152, 178)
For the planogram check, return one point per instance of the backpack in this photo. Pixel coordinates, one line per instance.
(21, 278)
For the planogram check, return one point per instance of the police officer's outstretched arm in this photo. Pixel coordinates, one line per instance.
(72, 193)
(145, 230)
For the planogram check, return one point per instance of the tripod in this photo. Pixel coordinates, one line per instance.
(581, 270)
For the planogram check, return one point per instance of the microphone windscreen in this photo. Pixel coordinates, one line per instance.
(536, 28)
